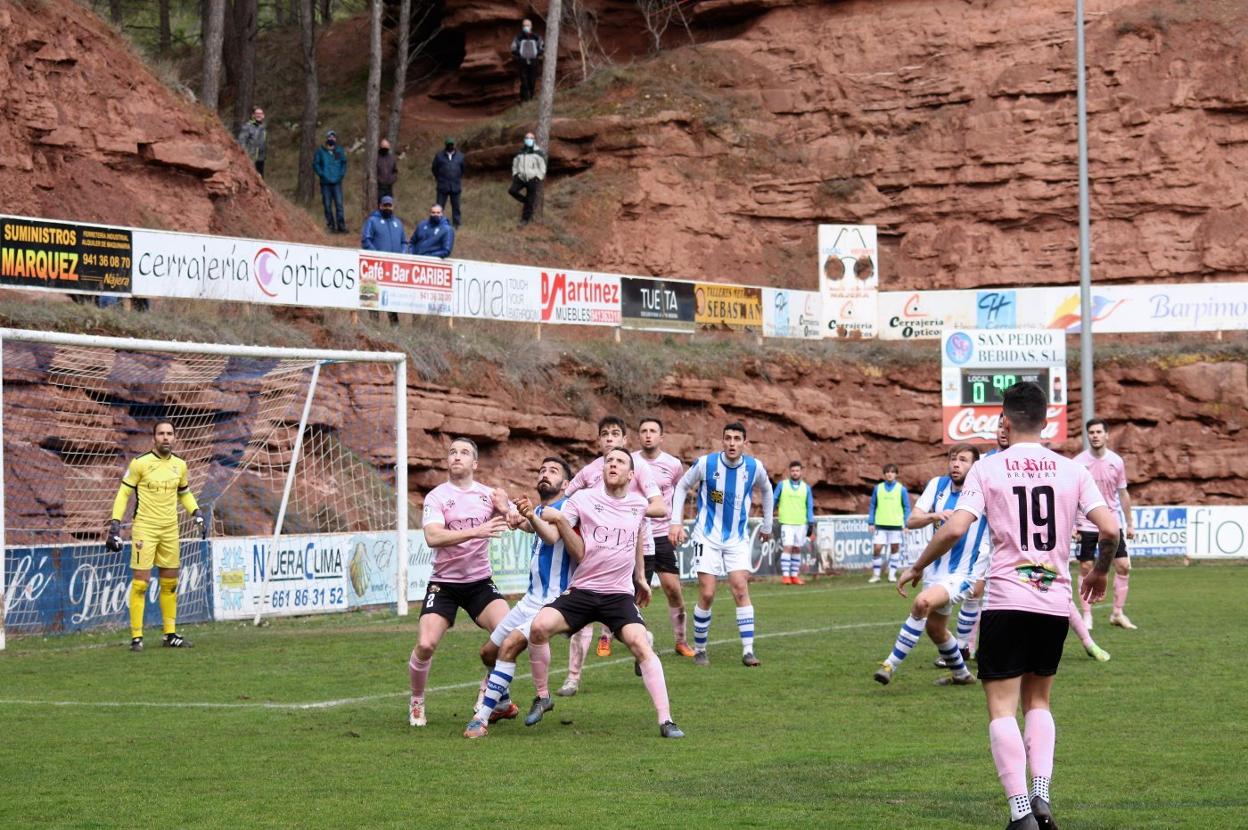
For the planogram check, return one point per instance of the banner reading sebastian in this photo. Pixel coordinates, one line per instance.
(659, 305)
(57, 256)
(727, 307)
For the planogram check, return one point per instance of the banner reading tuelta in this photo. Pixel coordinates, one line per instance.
(849, 260)
(727, 307)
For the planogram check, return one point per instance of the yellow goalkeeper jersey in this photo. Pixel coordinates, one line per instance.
(158, 484)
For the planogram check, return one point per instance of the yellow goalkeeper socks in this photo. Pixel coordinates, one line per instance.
(138, 602)
(169, 604)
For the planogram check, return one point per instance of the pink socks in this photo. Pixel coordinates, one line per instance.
(1076, 622)
(677, 616)
(418, 671)
(652, 676)
(1041, 736)
(1009, 754)
(578, 647)
(1120, 592)
(539, 661)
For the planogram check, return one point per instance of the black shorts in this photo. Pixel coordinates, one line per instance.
(1014, 643)
(580, 608)
(1087, 546)
(664, 559)
(446, 598)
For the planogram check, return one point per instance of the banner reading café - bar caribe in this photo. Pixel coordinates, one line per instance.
(60, 256)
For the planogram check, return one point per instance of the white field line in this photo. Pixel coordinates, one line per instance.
(348, 701)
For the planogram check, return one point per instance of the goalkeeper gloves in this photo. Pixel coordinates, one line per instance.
(200, 525)
(112, 541)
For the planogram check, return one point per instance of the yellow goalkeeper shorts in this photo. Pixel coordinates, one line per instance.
(153, 545)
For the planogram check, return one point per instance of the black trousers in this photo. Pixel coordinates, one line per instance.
(453, 196)
(384, 190)
(528, 79)
(530, 190)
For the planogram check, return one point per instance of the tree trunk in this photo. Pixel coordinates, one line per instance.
(401, 57)
(546, 100)
(245, 22)
(373, 128)
(164, 36)
(327, 12)
(114, 12)
(214, 32)
(311, 101)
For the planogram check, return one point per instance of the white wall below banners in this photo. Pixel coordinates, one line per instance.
(195, 266)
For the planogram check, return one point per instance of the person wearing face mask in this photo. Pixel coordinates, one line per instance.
(434, 236)
(254, 138)
(528, 169)
(448, 174)
(387, 169)
(330, 166)
(527, 48)
(383, 231)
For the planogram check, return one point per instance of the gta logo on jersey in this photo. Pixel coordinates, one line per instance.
(1037, 576)
(717, 496)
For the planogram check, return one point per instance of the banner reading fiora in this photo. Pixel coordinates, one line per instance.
(58, 256)
(728, 307)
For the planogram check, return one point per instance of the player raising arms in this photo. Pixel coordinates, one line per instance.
(1030, 497)
(608, 585)
(890, 507)
(461, 515)
(948, 579)
(612, 433)
(157, 479)
(725, 482)
(795, 511)
(550, 570)
(661, 556)
(1109, 472)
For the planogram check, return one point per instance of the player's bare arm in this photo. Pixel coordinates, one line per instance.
(572, 541)
(954, 528)
(656, 509)
(639, 569)
(546, 531)
(1092, 586)
(437, 535)
(1125, 498)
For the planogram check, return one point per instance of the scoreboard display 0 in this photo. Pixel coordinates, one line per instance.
(979, 365)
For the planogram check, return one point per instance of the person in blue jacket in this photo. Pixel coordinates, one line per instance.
(383, 231)
(434, 236)
(330, 166)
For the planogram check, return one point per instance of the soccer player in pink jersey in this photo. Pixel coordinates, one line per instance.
(661, 558)
(1109, 472)
(1030, 497)
(608, 586)
(612, 433)
(460, 517)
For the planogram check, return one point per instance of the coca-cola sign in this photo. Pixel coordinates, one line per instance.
(978, 424)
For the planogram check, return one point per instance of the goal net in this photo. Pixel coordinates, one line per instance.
(296, 457)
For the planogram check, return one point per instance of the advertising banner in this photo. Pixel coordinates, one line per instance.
(581, 298)
(792, 314)
(391, 282)
(1159, 531)
(660, 305)
(62, 588)
(57, 256)
(978, 365)
(1217, 532)
(488, 291)
(244, 270)
(727, 307)
(849, 262)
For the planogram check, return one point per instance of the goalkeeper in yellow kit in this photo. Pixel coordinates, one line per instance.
(158, 481)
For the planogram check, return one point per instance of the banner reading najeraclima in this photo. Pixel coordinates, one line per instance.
(727, 307)
(659, 305)
(57, 256)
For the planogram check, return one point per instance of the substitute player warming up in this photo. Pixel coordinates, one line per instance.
(608, 585)
(725, 482)
(158, 481)
(890, 508)
(1030, 497)
(795, 512)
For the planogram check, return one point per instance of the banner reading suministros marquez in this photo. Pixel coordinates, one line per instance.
(58, 256)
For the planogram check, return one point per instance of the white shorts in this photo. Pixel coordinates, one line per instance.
(520, 617)
(792, 536)
(718, 559)
(958, 588)
(886, 537)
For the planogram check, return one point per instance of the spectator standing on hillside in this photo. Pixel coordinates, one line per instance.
(330, 166)
(434, 236)
(254, 137)
(448, 173)
(387, 169)
(383, 231)
(528, 169)
(528, 49)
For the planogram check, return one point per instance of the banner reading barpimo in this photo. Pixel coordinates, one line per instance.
(727, 307)
(201, 267)
(658, 305)
(397, 283)
(849, 260)
(57, 256)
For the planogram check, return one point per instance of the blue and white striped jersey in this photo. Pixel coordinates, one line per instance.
(550, 570)
(968, 558)
(724, 497)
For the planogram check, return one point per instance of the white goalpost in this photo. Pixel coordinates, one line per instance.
(297, 456)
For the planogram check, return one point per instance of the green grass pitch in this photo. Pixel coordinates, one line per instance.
(303, 724)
